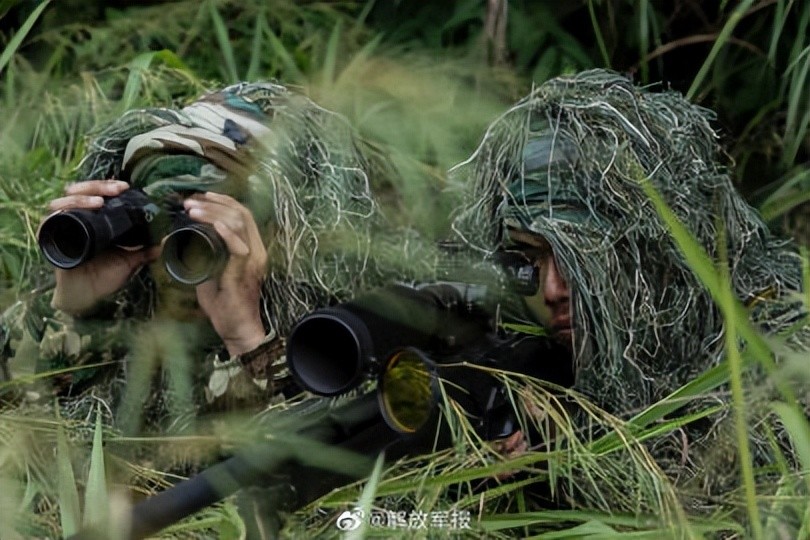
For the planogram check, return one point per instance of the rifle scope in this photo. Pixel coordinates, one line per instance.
(413, 383)
(332, 350)
(193, 252)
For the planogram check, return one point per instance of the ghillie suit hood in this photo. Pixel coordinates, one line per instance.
(297, 166)
(567, 163)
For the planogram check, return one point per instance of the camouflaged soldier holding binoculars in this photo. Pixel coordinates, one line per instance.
(167, 235)
(103, 232)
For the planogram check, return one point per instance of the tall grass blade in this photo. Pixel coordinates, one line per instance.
(704, 268)
(798, 102)
(644, 38)
(597, 31)
(784, 205)
(613, 441)
(779, 18)
(9, 90)
(138, 68)
(257, 47)
(330, 59)
(224, 42)
(707, 381)
(292, 71)
(18, 38)
(804, 23)
(624, 522)
(10, 493)
(725, 34)
(737, 396)
(361, 18)
(366, 498)
(69, 510)
(806, 276)
(775, 204)
(796, 424)
(95, 498)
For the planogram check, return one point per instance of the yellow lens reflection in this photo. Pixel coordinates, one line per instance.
(406, 391)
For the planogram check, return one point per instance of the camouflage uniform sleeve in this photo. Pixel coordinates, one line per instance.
(259, 376)
(51, 352)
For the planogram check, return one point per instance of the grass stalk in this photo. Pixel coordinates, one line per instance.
(224, 42)
(597, 31)
(737, 392)
(96, 500)
(644, 39)
(16, 41)
(257, 46)
(704, 268)
(722, 39)
(69, 509)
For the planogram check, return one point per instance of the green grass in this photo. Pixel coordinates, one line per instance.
(415, 81)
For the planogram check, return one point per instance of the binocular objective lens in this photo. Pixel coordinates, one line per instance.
(65, 240)
(193, 254)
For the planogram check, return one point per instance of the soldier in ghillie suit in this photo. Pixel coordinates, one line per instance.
(564, 175)
(285, 185)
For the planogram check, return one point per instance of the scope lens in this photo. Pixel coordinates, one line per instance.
(65, 240)
(406, 391)
(192, 255)
(324, 354)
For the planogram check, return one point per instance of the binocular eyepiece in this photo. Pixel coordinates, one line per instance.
(192, 252)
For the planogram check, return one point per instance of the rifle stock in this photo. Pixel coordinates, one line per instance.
(346, 426)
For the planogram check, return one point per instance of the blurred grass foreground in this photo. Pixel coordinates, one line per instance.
(418, 82)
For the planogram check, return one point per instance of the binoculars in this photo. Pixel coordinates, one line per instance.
(192, 252)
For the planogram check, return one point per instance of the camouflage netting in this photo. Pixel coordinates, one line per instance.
(567, 162)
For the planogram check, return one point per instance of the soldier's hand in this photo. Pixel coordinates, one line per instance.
(231, 301)
(80, 288)
(513, 446)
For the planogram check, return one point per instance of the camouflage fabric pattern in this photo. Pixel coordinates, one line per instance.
(567, 162)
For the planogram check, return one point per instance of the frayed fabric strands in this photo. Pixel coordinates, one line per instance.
(569, 162)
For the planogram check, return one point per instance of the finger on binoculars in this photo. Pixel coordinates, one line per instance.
(105, 188)
(211, 207)
(236, 246)
(87, 202)
(254, 238)
(88, 194)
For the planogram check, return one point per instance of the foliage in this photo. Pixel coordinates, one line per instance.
(419, 81)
